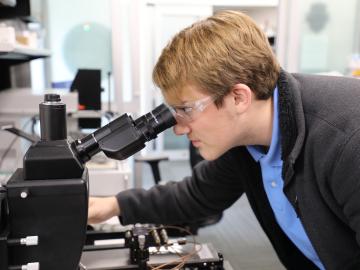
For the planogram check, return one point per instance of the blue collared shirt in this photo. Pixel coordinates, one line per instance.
(271, 167)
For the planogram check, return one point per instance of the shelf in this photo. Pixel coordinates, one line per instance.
(27, 103)
(22, 54)
(13, 55)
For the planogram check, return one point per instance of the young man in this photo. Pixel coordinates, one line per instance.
(291, 142)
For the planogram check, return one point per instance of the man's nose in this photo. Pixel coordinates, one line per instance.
(181, 129)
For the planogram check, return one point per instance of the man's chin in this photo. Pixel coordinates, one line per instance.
(209, 155)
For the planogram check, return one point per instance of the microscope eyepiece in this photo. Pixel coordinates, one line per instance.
(155, 121)
(52, 98)
(124, 137)
(52, 118)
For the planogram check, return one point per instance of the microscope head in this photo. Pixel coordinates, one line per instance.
(48, 198)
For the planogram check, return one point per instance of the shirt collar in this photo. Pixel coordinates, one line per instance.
(273, 156)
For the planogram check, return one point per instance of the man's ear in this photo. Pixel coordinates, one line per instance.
(242, 95)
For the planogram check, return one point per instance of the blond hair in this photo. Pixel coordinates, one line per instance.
(215, 54)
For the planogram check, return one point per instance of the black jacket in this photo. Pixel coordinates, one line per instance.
(320, 127)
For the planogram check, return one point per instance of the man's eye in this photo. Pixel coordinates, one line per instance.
(183, 109)
(187, 109)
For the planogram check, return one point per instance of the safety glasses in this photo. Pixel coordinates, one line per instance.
(189, 111)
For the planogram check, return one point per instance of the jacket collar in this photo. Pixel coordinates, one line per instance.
(292, 122)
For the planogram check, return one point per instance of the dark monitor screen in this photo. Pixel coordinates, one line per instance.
(21, 9)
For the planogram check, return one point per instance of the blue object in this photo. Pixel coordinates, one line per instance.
(271, 167)
(61, 85)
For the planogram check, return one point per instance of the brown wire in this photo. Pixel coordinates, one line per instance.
(183, 258)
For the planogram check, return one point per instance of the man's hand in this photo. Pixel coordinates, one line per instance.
(101, 209)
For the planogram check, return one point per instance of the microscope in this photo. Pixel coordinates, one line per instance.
(43, 206)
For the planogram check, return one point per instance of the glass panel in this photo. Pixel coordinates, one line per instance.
(79, 36)
(174, 142)
(329, 36)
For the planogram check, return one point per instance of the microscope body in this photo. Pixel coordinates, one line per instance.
(55, 211)
(47, 200)
(44, 205)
